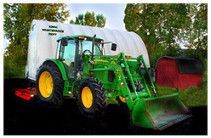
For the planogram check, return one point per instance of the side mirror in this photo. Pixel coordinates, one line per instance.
(64, 42)
(113, 46)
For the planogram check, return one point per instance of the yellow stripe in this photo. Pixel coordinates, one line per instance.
(100, 60)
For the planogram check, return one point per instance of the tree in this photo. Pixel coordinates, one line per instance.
(197, 38)
(90, 19)
(17, 22)
(101, 20)
(159, 25)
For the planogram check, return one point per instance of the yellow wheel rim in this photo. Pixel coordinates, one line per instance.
(87, 97)
(46, 84)
(122, 99)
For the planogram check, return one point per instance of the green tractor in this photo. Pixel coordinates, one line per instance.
(80, 70)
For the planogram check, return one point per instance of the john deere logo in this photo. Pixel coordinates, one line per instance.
(53, 30)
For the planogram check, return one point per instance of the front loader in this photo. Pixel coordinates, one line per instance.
(81, 70)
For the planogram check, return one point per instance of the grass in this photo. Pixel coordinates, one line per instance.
(191, 97)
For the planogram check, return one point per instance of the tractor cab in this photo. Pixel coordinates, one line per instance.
(73, 50)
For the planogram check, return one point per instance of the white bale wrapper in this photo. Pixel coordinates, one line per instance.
(44, 34)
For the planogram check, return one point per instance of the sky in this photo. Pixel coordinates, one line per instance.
(5, 42)
(114, 13)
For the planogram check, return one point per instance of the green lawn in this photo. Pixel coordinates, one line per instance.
(191, 97)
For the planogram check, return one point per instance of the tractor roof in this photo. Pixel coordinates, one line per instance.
(80, 37)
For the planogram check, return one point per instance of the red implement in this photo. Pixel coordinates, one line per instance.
(26, 94)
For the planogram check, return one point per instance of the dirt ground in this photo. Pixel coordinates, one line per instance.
(29, 118)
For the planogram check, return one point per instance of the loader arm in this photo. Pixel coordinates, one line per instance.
(147, 110)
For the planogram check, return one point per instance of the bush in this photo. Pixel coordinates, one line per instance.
(13, 69)
(156, 52)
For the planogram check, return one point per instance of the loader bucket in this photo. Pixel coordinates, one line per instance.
(159, 112)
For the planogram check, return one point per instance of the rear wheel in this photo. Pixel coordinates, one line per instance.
(91, 98)
(49, 84)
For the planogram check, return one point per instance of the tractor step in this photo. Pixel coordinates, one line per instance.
(26, 94)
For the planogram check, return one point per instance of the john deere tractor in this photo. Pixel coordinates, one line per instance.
(81, 70)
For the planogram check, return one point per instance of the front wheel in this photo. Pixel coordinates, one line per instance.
(91, 98)
(49, 84)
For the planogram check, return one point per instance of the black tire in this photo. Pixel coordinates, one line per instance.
(56, 97)
(98, 106)
(127, 114)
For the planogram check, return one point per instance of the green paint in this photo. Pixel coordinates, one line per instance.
(158, 112)
(61, 67)
(147, 109)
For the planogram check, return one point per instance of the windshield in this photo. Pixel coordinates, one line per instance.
(87, 45)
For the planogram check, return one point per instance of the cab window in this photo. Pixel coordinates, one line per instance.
(69, 51)
(87, 45)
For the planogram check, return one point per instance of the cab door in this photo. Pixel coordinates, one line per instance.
(67, 55)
